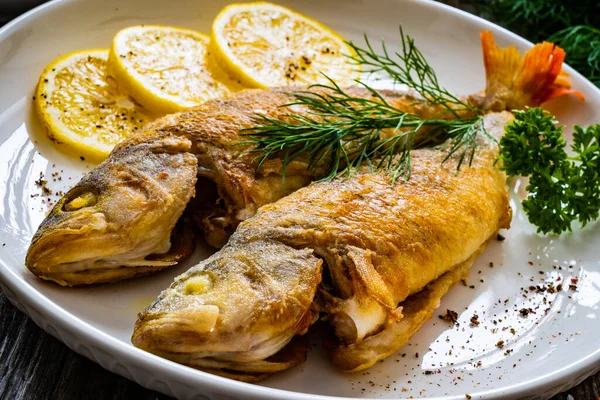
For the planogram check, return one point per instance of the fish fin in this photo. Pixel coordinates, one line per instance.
(513, 82)
(374, 284)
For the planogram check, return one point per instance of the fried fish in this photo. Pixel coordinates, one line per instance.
(372, 258)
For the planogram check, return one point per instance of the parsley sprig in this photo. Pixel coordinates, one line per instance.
(562, 188)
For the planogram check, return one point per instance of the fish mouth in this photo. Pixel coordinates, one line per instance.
(256, 363)
(108, 269)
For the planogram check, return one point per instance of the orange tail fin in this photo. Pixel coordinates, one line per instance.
(514, 82)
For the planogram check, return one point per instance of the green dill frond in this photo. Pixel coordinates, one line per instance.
(408, 67)
(582, 44)
(340, 132)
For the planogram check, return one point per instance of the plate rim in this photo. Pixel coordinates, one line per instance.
(60, 319)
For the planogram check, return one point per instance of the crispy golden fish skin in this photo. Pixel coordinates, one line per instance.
(235, 309)
(380, 244)
(116, 222)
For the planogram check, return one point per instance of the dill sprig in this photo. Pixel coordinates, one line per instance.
(339, 132)
(413, 70)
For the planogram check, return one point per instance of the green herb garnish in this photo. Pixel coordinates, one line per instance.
(340, 131)
(561, 188)
(582, 44)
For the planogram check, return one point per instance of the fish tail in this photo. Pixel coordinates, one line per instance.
(513, 82)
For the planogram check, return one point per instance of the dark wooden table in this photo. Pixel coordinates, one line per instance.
(34, 365)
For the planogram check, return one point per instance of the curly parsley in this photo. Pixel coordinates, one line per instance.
(562, 188)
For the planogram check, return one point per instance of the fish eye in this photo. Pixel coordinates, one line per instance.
(82, 199)
(198, 284)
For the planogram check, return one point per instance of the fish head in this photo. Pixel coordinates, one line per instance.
(235, 310)
(109, 226)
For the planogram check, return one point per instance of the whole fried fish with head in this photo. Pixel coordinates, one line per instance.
(374, 258)
(118, 221)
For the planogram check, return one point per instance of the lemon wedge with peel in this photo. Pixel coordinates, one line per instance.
(263, 44)
(165, 69)
(83, 111)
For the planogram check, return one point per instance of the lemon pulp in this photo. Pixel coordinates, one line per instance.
(263, 45)
(81, 109)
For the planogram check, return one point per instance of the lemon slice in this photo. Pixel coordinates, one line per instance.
(263, 44)
(165, 69)
(80, 109)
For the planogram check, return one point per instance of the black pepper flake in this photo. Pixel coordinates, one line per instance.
(500, 344)
(525, 312)
(467, 396)
(500, 238)
(41, 181)
(82, 158)
(475, 320)
(451, 317)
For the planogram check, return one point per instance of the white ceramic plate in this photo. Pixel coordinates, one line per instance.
(550, 350)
